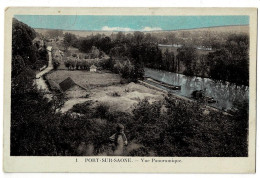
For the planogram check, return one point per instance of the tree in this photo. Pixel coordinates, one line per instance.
(70, 40)
(231, 62)
(171, 38)
(138, 37)
(188, 56)
(54, 33)
(168, 61)
(203, 66)
(22, 36)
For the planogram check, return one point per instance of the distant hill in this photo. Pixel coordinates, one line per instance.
(234, 28)
(220, 29)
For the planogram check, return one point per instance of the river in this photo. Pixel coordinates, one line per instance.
(225, 94)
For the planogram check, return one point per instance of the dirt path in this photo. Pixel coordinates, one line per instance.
(40, 83)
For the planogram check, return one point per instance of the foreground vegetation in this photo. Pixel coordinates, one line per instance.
(182, 130)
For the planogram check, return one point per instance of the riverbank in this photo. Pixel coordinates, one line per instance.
(182, 97)
(226, 94)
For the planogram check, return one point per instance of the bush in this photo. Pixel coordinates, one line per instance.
(83, 108)
(55, 63)
(102, 110)
(116, 94)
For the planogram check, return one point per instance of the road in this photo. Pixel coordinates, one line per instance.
(40, 83)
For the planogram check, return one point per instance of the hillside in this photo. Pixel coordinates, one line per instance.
(221, 29)
(234, 29)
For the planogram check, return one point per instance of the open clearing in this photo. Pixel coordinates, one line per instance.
(105, 87)
(128, 96)
(85, 78)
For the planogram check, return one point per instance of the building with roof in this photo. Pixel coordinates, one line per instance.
(93, 68)
(72, 89)
(54, 86)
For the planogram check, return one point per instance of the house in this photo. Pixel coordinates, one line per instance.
(93, 68)
(72, 89)
(54, 86)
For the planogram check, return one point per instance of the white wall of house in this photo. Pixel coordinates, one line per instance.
(93, 70)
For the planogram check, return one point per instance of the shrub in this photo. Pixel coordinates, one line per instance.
(55, 63)
(83, 108)
(116, 94)
(102, 110)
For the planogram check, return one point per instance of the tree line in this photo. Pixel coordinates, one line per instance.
(27, 56)
(229, 61)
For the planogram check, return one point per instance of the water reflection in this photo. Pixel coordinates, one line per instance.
(226, 94)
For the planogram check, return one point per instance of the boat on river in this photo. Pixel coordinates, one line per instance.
(225, 95)
(173, 87)
(199, 95)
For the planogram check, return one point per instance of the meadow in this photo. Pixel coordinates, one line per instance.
(85, 78)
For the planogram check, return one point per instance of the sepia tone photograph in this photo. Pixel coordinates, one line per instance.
(130, 85)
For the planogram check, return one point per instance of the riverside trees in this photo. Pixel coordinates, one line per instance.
(229, 61)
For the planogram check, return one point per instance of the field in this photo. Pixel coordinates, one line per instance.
(119, 97)
(105, 87)
(85, 78)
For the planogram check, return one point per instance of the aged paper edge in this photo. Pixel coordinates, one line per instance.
(189, 164)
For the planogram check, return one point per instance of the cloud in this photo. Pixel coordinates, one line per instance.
(151, 29)
(106, 28)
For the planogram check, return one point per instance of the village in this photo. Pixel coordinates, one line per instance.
(81, 77)
(80, 80)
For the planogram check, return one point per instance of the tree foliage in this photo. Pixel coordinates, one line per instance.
(231, 63)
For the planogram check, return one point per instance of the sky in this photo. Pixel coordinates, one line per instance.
(128, 23)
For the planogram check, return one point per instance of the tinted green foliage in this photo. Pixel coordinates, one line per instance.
(26, 104)
(70, 40)
(103, 43)
(172, 128)
(188, 56)
(54, 33)
(24, 52)
(183, 130)
(231, 63)
(136, 50)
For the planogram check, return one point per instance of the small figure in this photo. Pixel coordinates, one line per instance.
(119, 140)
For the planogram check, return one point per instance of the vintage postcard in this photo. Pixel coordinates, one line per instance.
(130, 90)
